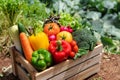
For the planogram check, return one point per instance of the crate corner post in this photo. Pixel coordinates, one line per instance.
(12, 56)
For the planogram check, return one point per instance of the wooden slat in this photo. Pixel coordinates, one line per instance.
(11, 51)
(83, 75)
(31, 70)
(24, 62)
(76, 69)
(22, 74)
(54, 70)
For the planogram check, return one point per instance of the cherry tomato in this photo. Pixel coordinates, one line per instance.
(75, 48)
(71, 54)
(73, 43)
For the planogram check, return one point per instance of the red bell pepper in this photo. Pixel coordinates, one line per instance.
(60, 50)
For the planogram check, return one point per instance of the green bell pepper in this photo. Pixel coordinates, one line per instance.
(41, 59)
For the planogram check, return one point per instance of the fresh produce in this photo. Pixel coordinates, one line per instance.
(72, 54)
(60, 50)
(73, 43)
(74, 46)
(14, 34)
(54, 43)
(66, 19)
(70, 29)
(66, 28)
(27, 49)
(52, 37)
(39, 40)
(64, 35)
(41, 59)
(51, 28)
(21, 28)
(75, 49)
(85, 39)
(80, 53)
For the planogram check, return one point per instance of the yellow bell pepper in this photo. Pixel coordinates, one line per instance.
(40, 40)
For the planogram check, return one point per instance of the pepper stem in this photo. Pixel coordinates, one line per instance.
(59, 46)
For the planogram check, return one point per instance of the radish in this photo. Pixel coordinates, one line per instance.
(62, 28)
(68, 29)
(52, 37)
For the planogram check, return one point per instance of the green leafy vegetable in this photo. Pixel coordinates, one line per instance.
(107, 41)
(84, 39)
(66, 19)
(24, 11)
(80, 53)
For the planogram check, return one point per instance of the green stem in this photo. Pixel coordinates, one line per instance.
(59, 46)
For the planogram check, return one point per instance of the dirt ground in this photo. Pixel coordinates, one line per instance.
(110, 68)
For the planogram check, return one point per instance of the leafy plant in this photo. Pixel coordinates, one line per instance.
(67, 20)
(27, 12)
(115, 49)
(11, 10)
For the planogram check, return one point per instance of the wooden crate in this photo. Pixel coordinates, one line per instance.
(78, 69)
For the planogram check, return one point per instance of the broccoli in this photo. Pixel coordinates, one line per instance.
(85, 39)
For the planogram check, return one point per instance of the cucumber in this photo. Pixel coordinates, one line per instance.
(21, 28)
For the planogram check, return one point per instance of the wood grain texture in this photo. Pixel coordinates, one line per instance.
(22, 74)
(77, 69)
(86, 73)
(13, 61)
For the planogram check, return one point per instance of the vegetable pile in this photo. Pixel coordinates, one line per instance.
(55, 43)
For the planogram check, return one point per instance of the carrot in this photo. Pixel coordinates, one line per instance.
(27, 49)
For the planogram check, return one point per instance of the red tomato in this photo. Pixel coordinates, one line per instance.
(72, 54)
(73, 43)
(75, 48)
(51, 28)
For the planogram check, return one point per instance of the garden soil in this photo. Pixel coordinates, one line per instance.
(110, 68)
